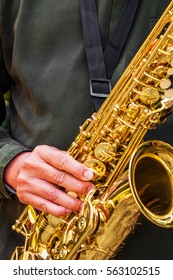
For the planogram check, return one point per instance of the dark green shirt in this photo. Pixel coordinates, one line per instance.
(43, 65)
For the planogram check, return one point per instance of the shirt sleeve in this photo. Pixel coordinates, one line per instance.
(9, 148)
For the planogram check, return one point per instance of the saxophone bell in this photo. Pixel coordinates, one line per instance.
(151, 181)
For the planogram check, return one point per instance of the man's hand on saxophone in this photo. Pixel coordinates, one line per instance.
(36, 176)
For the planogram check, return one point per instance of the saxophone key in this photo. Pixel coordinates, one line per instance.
(149, 96)
(169, 93)
(168, 55)
(133, 111)
(105, 152)
(85, 125)
(165, 83)
(170, 71)
(160, 70)
(98, 168)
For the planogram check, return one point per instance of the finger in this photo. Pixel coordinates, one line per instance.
(42, 204)
(62, 161)
(48, 192)
(61, 178)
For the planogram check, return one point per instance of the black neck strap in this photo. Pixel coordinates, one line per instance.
(102, 64)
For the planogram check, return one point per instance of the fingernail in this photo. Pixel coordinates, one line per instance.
(68, 211)
(88, 174)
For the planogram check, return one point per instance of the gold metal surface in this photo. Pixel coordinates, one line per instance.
(130, 177)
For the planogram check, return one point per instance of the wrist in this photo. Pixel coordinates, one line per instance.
(12, 170)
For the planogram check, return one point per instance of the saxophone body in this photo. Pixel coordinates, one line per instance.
(130, 176)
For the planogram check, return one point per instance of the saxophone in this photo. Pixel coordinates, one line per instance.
(130, 176)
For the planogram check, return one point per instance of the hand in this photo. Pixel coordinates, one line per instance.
(36, 176)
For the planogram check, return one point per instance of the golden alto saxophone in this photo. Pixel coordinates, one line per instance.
(131, 176)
